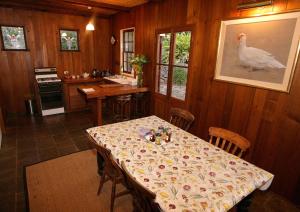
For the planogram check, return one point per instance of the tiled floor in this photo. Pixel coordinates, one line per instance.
(34, 139)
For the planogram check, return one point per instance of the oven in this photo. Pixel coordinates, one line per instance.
(51, 95)
(50, 91)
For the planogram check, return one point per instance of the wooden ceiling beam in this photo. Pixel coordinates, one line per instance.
(97, 4)
(50, 8)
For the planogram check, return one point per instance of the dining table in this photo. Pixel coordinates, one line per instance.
(187, 173)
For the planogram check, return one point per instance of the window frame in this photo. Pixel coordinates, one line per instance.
(122, 50)
(172, 31)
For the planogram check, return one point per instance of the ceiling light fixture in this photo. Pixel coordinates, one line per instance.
(89, 7)
(90, 27)
(253, 4)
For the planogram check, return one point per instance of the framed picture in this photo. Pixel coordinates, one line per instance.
(69, 40)
(13, 38)
(260, 51)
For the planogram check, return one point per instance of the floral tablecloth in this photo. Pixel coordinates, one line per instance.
(187, 174)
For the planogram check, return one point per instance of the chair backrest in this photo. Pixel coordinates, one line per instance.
(229, 141)
(181, 118)
(144, 197)
(123, 98)
(111, 166)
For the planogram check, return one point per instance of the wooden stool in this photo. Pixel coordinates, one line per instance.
(121, 108)
(139, 105)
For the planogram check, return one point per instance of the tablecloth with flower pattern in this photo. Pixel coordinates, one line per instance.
(187, 174)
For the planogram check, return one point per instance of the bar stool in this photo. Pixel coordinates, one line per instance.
(122, 108)
(139, 105)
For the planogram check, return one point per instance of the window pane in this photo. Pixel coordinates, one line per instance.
(126, 47)
(126, 37)
(182, 48)
(179, 82)
(130, 47)
(163, 48)
(130, 36)
(163, 79)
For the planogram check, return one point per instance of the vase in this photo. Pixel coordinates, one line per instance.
(138, 70)
(140, 80)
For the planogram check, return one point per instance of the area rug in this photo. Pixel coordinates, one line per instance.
(70, 183)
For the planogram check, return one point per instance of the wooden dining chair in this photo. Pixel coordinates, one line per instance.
(181, 118)
(122, 108)
(143, 198)
(229, 141)
(111, 172)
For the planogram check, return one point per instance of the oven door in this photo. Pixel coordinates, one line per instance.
(51, 95)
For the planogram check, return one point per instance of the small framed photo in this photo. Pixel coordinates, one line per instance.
(13, 38)
(69, 40)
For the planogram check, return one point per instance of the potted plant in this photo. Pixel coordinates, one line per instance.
(138, 62)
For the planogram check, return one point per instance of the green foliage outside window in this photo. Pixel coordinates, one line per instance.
(179, 76)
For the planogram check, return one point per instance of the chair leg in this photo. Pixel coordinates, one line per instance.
(113, 194)
(102, 181)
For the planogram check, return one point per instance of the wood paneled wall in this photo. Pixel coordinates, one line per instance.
(42, 32)
(269, 119)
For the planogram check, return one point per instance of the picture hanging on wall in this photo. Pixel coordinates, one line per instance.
(260, 51)
(69, 40)
(13, 38)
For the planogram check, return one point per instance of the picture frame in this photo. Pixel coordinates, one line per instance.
(259, 51)
(13, 38)
(69, 39)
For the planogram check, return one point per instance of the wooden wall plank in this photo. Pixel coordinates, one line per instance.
(42, 33)
(269, 119)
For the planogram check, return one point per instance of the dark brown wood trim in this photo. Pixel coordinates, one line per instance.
(2, 122)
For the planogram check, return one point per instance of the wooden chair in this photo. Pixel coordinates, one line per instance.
(139, 103)
(143, 199)
(229, 141)
(111, 171)
(121, 108)
(181, 118)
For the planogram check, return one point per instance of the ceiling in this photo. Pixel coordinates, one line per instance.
(124, 3)
(100, 8)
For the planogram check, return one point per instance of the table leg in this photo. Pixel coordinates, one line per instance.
(97, 111)
(244, 205)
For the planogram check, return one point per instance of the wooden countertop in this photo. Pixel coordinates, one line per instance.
(82, 80)
(102, 91)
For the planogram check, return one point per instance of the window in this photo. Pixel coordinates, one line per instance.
(172, 63)
(127, 50)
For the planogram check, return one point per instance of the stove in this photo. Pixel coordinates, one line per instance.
(50, 90)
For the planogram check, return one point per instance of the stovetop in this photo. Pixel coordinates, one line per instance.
(48, 79)
(46, 75)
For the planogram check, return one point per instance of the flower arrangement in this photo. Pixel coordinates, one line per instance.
(138, 62)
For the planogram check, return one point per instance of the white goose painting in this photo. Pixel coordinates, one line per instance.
(259, 51)
(255, 58)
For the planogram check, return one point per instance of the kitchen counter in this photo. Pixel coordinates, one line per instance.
(82, 80)
(122, 80)
(74, 101)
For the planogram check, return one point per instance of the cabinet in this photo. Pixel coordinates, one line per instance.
(74, 101)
